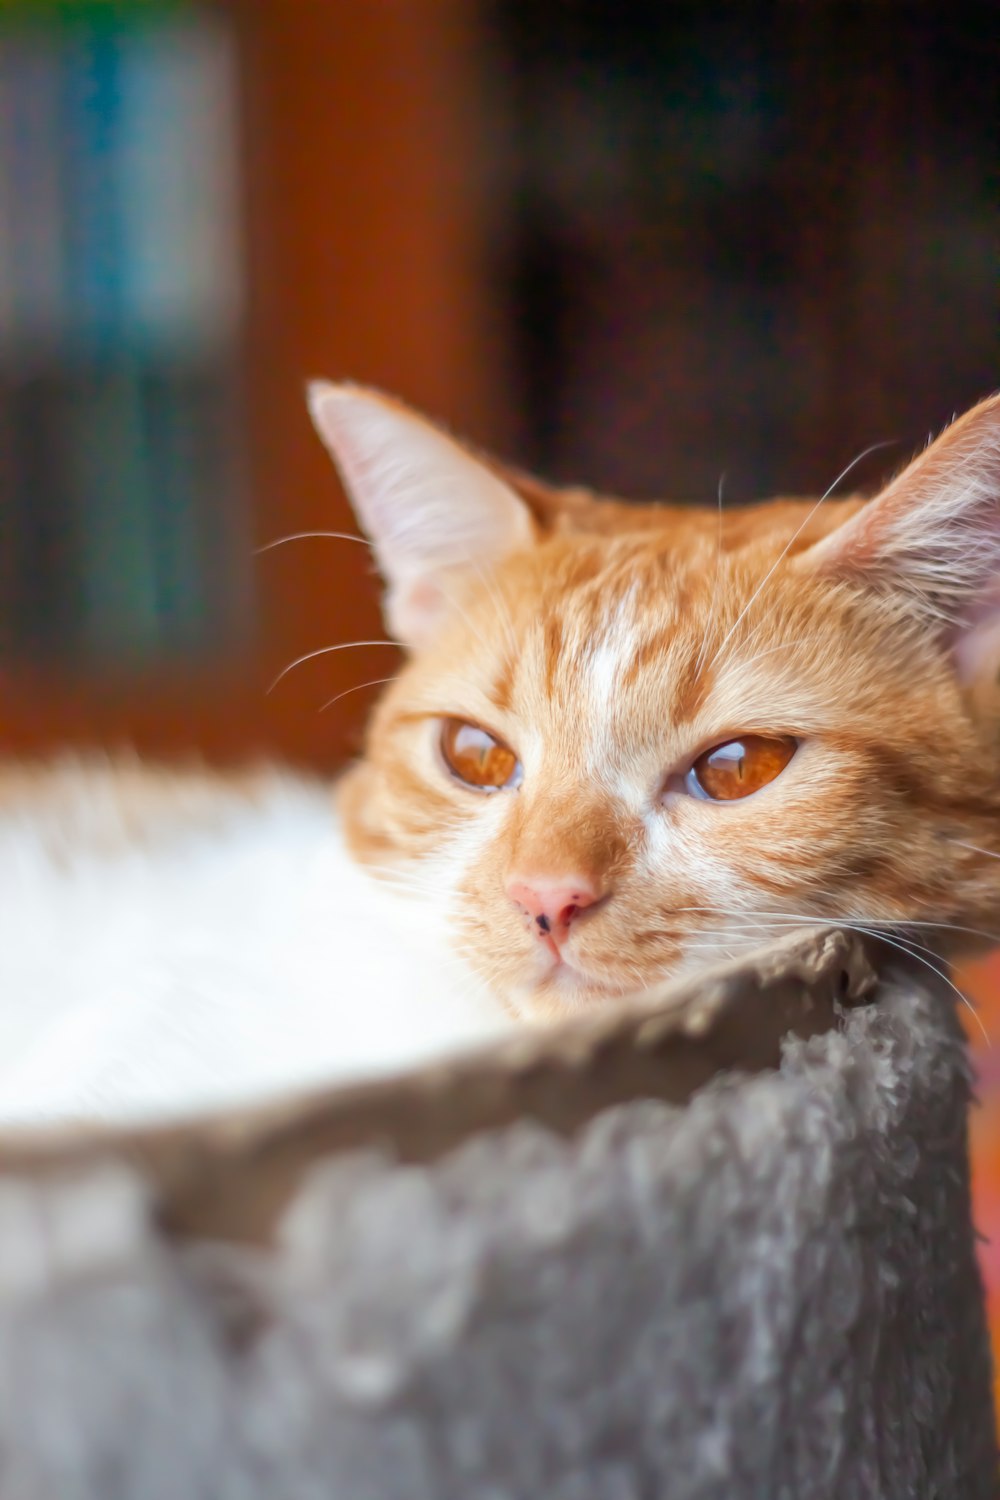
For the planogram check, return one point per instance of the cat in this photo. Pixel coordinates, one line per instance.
(626, 742)
(629, 740)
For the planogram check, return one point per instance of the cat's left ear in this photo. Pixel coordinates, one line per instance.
(932, 538)
(431, 509)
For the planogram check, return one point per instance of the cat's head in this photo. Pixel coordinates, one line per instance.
(628, 740)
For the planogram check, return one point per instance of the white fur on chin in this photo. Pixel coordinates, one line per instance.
(206, 967)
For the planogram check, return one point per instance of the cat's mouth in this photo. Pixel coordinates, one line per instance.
(575, 985)
(560, 972)
(564, 985)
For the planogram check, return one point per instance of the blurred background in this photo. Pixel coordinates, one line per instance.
(634, 243)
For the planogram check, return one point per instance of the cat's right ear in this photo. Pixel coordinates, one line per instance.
(931, 540)
(430, 507)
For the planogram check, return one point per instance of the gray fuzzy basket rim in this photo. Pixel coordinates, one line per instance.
(229, 1176)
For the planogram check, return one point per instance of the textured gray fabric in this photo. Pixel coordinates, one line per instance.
(769, 1293)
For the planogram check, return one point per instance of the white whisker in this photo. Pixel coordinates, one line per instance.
(872, 448)
(347, 536)
(325, 651)
(896, 939)
(801, 640)
(893, 922)
(357, 688)
(302, 536)
(917, 951)
(795, 534)
(989, 853)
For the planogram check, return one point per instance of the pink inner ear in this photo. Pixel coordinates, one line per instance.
(414, 610)
(934, 533)
(976, 642)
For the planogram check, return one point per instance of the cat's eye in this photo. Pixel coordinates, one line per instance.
(740, 767)
(477, 757)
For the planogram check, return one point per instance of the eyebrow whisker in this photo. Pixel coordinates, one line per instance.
(302, 536)
(325, 651)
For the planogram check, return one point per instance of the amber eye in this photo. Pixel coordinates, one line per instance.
(475, 757)
(741, 766)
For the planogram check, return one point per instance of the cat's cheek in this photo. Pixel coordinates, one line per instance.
(679, 866)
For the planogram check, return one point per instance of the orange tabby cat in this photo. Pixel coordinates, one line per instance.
(630, 740)
(627, 742)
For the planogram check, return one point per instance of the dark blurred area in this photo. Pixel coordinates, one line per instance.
(635, 244)
(751, 237)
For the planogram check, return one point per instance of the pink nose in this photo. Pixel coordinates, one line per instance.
(552, 904)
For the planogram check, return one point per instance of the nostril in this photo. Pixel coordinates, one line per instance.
(552, 904)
